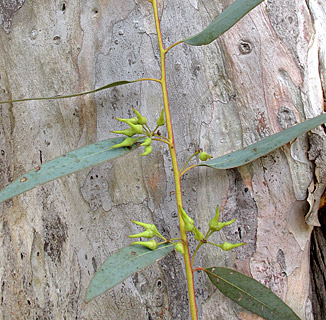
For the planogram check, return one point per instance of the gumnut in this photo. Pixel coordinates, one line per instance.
(151, 244)
(188, 222)
(148, 150)
(147, 142)
(198, 235)
(203, 156)
(128, 142)
(179, 247)
(128, 132)
(161, 121)
(141, 120)
(228, 246)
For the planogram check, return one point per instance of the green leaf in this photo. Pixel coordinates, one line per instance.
(123, 264)
(110, 85)
(264, 146)
(230, 16)
(250, 294)
(71, 162)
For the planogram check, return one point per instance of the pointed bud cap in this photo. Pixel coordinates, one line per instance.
(203, 156)
(145, 234)
(188, 222)
(141, 120)
(133, 120)
(213, 223)
(221, 225)
(226, 246)
(137, 127)
(128, 132)
(148, 226)
(148, 150)
(198, 235)
(151, 244)
(128, 142)
(179, 247)
(147, 142)
(161, 121)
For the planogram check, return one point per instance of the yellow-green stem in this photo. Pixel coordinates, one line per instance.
(193, 256)
(189, 273)
(190, 167)
(189, 160)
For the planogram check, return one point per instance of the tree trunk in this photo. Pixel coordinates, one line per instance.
(264, 75)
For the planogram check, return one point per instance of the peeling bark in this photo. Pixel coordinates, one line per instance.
(262, 76)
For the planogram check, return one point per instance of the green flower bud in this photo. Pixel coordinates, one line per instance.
(179, 247)
(148, 150)
(128, 132)
(145, 234)
(221, 225)
(151, 244)
(147, 142)
(213, 223)
(133, 120)
(128, 142)
(228, 246)
(141, 120)
(143, 224)
(189, 222)
(149, 227)
(203, 156)
(137, 127)
(146, 226)
(198, 235)
(161, 121)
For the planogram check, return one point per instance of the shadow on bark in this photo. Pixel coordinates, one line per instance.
(318, 264)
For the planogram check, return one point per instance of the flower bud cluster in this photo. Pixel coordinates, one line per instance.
(138, 125)
(215, 225)
(189, 225)
(150, 232)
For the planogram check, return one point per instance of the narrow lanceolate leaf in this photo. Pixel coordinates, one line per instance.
(230, 16)
(110, 85)
(250, 294)
(71, 162)
(123, 264)
(264, 146)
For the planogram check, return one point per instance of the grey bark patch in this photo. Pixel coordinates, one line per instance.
(152, 287)
(176, 287)
(284, 19)
(155, 177)
(75, 300)
(8, 8)
(95, 189)
(55, 234)
(242, 206)
(286, 117)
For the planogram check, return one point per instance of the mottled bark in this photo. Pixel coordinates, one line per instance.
(265, 74)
